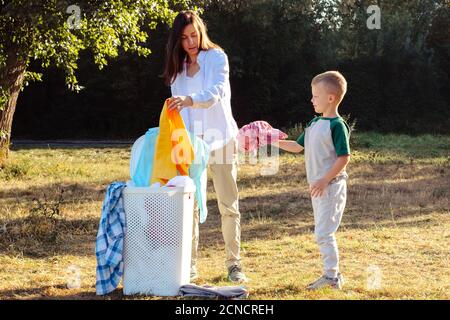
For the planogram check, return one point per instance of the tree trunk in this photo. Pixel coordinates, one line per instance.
(11, 81)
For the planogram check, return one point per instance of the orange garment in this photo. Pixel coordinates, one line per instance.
(173, 151)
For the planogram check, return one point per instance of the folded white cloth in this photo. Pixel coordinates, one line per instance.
(226, 292)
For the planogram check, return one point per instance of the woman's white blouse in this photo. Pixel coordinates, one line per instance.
(211, 114)
(196, 116)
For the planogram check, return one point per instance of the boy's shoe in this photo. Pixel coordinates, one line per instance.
(235, 274)
(324, 281)
(194, 273)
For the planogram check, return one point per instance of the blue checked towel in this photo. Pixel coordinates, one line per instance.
(109, 243)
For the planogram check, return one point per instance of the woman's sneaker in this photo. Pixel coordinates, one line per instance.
(235, 274)
(324, 281)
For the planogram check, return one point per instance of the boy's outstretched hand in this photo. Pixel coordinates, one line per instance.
(288, 145)
(317, 188)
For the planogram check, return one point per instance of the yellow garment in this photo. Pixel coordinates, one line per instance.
(173, 150)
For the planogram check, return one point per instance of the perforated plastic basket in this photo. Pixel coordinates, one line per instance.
(158, 239)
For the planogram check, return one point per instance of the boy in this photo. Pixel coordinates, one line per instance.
(327, 153)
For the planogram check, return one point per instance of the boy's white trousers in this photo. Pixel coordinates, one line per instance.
(328, 210)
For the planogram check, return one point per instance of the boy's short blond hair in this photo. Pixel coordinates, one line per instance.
(334, 82)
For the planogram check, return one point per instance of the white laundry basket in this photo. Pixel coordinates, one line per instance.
(158, 239)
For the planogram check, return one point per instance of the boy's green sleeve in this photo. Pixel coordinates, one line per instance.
(341, 138)
(301, 140)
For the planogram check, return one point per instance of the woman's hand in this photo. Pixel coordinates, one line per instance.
(180, 102)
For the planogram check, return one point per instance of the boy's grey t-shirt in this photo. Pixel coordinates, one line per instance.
(324, 139)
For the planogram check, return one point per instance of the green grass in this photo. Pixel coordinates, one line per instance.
(403, 148)
(396, 220)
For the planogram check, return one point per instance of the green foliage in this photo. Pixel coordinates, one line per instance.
(44, 31)
(272, 61)
(31, 77)
(398, 76)
(276, 47)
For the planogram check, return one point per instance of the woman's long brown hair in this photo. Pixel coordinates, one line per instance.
(175, 54)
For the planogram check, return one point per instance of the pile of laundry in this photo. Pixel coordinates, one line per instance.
(157, 160)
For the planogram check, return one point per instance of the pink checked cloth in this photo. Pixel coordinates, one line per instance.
(257, 134)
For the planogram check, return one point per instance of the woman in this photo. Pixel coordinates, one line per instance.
(198, 73)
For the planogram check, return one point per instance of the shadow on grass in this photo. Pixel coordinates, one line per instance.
(290, 214)
(274, 230)
(73, 192)
(39, 237)
(263, 217)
